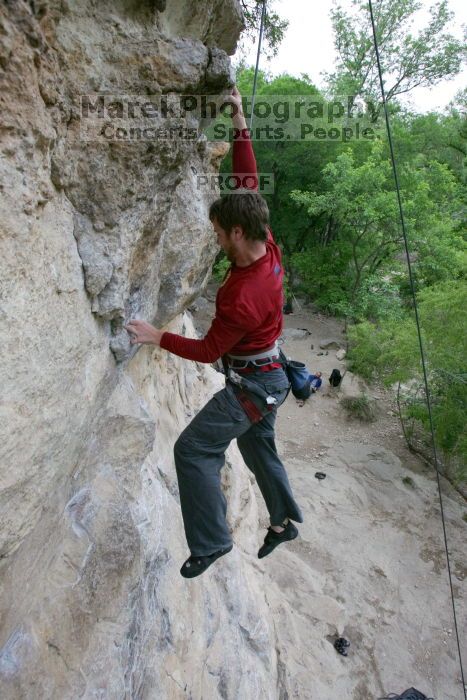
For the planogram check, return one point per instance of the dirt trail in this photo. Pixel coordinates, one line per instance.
(369, 564)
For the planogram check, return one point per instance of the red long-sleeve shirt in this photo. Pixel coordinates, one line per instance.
(248, 304)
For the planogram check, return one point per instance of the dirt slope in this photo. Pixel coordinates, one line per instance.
(370, 562)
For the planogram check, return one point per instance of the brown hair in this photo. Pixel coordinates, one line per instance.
(247, 209)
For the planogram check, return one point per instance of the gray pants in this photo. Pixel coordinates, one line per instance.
(199, 458)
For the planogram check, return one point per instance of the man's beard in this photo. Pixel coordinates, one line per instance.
(230, 253)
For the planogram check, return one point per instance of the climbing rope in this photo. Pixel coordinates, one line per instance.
(412, 287)
(260, 38)
(420, 341)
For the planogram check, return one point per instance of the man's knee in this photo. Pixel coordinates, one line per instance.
(182, 450)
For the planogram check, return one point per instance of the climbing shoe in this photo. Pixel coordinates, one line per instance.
(410, 694)
(273, 539)
(194, 566)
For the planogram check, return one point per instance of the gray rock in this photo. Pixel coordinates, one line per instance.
(295, 333)
(330, 344)
(93, 233)
(199, 304)
(340, 354)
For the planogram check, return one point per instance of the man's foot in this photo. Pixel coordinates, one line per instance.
(194, 566)
(273, 539)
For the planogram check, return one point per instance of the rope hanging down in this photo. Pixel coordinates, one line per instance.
(260, 38)
(412, 287)
(420, 341)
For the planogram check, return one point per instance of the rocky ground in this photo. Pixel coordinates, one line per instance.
(370, 563)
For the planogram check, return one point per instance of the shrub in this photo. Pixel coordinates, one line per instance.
(360, 407)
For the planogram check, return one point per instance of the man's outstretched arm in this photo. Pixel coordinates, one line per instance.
(243, 156)
(221, 337)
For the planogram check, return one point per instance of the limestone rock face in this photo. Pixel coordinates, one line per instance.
(91, 535)
(101, 607)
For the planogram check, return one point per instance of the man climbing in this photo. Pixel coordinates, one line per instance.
(244, 332)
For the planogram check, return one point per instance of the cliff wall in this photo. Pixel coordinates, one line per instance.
(92, 233)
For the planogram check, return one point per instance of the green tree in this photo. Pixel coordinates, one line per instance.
(433, 136)
(410, 59)
(274, 26)
(391, 351)
(362, 209)
(364, 254)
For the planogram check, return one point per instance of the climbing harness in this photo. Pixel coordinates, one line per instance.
(420, 341)
(254, 388)
(259, 360)
(255, 401)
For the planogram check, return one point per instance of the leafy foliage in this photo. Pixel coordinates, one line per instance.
(220, 268)
(274, 26)
(361, 208)
(409, 60)
(391, 351)
(359, 407)
(334, 210)
(361, 254)
(325, 193)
